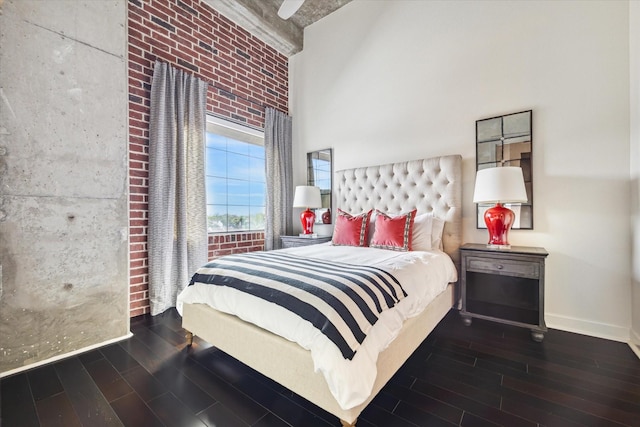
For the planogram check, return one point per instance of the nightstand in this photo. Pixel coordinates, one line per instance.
(504, 285)
(295, 241)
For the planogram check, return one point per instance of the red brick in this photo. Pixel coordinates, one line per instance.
(139, 280)
(140, 157)
(158, 9)
(244, 78)
(138, 303)
(137, 15)
(137, 247)
(137, 312)
(141, 270)
(137, 223)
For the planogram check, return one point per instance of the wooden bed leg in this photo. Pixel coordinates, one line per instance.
(346, 424)
(189, 337)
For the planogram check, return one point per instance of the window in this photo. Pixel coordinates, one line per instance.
(235, 177)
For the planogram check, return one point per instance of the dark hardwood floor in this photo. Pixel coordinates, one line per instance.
(483, 375)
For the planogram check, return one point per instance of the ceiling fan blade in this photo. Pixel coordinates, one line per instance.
(288, 8)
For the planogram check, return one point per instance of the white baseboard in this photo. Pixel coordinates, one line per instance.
(63, 356)
(585, 327)
(635, 343)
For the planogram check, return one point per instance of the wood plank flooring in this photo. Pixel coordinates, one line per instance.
(483, 375)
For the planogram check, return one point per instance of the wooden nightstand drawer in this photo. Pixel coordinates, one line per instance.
(503, 266)
(295, 241)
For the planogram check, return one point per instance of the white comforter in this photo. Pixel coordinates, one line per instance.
(423, 275)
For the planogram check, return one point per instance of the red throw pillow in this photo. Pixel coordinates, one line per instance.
(393, 233)
(351, 230)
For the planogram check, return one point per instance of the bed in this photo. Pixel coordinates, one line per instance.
(431, 186)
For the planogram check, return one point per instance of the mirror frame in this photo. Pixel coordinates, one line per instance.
(493, 133)
(325, 193)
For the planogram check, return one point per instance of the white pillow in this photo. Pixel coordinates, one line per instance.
(427, 233)
(372, 225)
(421, 239)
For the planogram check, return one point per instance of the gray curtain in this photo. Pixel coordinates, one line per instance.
(279, 169)
(177, 234)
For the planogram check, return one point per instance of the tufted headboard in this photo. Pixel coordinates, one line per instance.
(429, 185)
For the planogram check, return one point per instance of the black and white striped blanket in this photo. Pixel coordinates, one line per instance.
(341, 300)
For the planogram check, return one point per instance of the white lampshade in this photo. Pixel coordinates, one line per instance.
(307, 196)
(500, 185)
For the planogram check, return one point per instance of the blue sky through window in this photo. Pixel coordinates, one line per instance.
(235, 181)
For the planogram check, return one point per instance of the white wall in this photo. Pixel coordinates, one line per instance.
(634, 53)
(388, 81)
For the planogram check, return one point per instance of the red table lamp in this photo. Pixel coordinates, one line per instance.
(499, 185)
(307, 196)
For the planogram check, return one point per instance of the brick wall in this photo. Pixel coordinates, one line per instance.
(244, 75)
(226, 244)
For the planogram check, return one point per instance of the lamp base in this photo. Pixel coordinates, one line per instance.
(499, 220)
(307, 218)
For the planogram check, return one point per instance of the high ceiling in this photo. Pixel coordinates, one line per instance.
(260, 18)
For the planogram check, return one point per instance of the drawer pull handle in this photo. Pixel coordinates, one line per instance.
(499, 266)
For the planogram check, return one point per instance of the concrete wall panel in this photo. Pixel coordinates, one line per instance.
(63, 178)
(60, 134)
(99, 24)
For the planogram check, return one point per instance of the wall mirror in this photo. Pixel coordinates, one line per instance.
(319, 173)
(507, 141)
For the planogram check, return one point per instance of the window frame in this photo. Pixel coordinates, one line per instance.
(241, 133)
